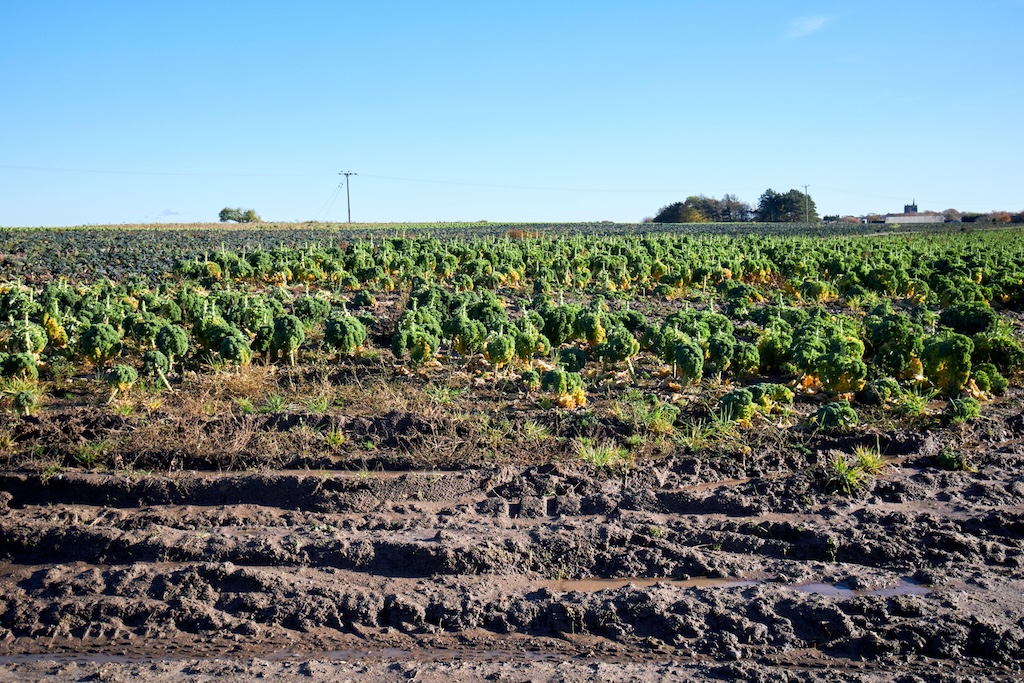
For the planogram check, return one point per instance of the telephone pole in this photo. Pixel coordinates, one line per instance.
(348, 195)
(807, 213)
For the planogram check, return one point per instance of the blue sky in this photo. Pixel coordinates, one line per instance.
(120, 112)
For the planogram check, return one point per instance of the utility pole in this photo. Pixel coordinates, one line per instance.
(348, 195)
(807, 213)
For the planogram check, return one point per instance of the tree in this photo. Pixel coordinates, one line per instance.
(679, 212)
(792, 207)
(239, 216)
(735, 211)
(702, 209)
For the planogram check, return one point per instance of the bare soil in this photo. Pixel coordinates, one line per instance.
(686, 566)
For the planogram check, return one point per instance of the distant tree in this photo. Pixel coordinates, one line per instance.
(679, 212)
(735, 211)
(239, 216)
(702, 209)
(792, 207)
(1001, 217)
(951, 215)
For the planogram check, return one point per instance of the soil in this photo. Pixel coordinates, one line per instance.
(683, 567)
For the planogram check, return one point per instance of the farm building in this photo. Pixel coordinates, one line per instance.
(910, 215)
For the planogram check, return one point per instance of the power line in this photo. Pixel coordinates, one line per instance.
(183, 174)
(192, 174)
(325, 209)
(162, 173)
(517, 187)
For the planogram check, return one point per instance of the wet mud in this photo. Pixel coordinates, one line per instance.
(679, 569)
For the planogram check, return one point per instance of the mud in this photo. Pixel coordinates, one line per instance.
(683, 568)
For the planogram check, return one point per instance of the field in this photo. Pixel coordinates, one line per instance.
(513, 452)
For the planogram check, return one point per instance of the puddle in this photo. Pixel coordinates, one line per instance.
(706, 486)
(595, 585)
(323, 473)
(838, 590)
(342, 655)
(82, 658)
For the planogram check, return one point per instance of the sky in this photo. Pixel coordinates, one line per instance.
(128, 112)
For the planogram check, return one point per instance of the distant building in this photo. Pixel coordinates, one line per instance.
(913, 218)
(910, 215)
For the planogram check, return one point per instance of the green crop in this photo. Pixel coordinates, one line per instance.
(835, 416)
(345, 334)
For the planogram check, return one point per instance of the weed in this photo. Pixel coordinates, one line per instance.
(304, 429)
(602, 455)
(535, 431)
(370, 354)
(123, 408)
(93, 454)
(844, 476)
(694, 436)
(153, 404)
(245, 405)
(869, 459)
(52, 470)
(319, 405)
(273, 403)
(334, 437)
(914, 403)
(443, 394)
(656, 418)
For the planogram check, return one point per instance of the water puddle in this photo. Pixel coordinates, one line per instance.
(81, 658)
(706, 486)
(595, 585)
(839, 590)
(324, 474)
(835, 590)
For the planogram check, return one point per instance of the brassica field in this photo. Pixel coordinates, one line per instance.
(780, 404)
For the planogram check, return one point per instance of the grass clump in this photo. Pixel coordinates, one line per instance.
(845, 475)
(869, 459)
(605, 455)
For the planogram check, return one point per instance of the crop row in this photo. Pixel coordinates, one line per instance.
(871, 320)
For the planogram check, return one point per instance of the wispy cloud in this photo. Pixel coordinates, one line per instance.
(798, 28)
(167, 213)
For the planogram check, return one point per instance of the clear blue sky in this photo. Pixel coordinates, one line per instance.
(545, 111)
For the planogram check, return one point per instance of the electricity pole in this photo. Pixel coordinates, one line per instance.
(348, 195)
(807, 213)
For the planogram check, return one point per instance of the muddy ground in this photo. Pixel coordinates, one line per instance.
(684, 566)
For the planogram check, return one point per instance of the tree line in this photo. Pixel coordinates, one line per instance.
(772, 207)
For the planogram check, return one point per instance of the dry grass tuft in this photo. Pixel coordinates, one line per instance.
(252, 382)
